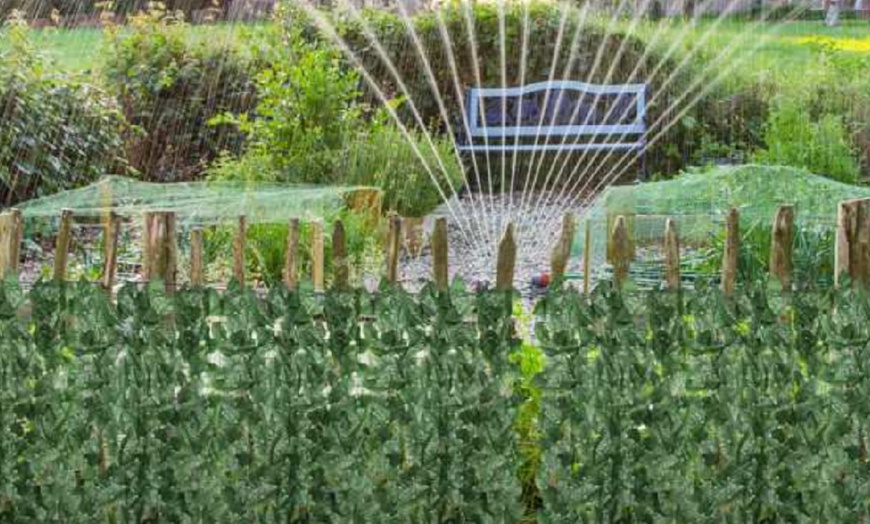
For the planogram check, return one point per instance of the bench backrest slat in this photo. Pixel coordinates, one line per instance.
(580, 101)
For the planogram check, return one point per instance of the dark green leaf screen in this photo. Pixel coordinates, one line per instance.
(389, 407)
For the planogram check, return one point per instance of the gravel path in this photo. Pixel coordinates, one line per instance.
(476, 222)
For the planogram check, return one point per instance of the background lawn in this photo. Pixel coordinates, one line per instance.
(783, 50)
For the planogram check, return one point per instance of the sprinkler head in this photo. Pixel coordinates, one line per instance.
(541, 281)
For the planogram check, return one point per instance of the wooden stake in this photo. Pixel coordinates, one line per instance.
(394, 236)
(16, 236)
(61, 248)
(367, 201)
(6, 236)
(105, 190)
(587, 257)
(148, 219)
(620, 245)
(672, 256)
(846, 212)
(239, 251)
(339, 257)
(413, 235)
(290, 278)
(440, 255)
(730, 259)
(197, 267)
(507, 257)
(562, 250)
(859, 242)
(170, 250)
(110, 250)
(161, 248)
(317, 255)
(782, 238)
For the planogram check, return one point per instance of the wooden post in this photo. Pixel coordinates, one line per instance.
(105, 190)
(853, 241)
(845, 226)
(440, 255)
(731, 257)
(587, 257)
(15, 239)
(621, 256)
(290, 278)
(148, 219)
(628, 250)
(170, 250)
(110, 250)
(782, 238)
(562, 250)
(61, 247)
(859, 252)
(394, 236)
(507, 257)
(317, 255)
(367, 201)
(10, 242)
(161, 248)
(672, 256)
(239, 245)
(339, 257)
(197, 267)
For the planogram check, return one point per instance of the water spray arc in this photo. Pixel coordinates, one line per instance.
(616, 172)
(328, 29)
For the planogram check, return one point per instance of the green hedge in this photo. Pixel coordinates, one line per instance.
(56, 133)
(169, 88)
(477, 61)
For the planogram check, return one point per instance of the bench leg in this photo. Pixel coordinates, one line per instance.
(643, 173)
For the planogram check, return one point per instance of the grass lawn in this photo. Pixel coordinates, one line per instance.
(79, 50)
(781, 48)
(776, 47)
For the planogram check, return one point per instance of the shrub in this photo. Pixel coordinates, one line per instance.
(822, 146)
(56, 133)
(310, 126)
(474, 58)
(414, 175)
(169, 88)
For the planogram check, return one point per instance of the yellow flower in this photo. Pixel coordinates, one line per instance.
(857, 45)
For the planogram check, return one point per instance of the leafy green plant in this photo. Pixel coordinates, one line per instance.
(57, 132)
(169, 87)
(267, 243)
(531, 363)
(821, 146)
(311, 126)
(414, 174)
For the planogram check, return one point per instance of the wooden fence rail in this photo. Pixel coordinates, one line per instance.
(160, 250)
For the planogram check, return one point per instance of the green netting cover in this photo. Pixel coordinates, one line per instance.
(194, 202)
(699, 202)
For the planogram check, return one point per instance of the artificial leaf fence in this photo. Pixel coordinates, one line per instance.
(704, 407)
(160, 403)
(208, 407)
(200, 406)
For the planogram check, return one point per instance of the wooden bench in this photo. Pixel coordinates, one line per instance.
(556, 116)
